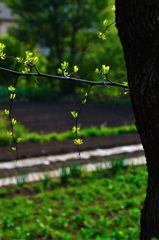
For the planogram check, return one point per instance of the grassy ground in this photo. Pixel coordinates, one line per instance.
(104, 205)
(25, 136)
(88, 132)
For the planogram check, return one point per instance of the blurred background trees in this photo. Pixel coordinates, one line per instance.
(66, 31)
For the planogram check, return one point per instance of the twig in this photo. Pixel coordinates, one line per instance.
(78, 80)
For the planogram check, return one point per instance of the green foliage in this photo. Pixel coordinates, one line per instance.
(55, 24)
(65, 28)
(46, 181)
(24, 63)
(117, 164)
(70, 172)
(64, 70)
(88, 207)
(29, 61)
(75, 171)
(70, 37)
(103, 71)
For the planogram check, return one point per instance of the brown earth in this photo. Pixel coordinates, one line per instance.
(44, 117)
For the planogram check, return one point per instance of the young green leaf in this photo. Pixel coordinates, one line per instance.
(106, 22)
(97, 70)
(64, 65)
(6, 112)
(20, 59)
(2, 54)
(78, 141)
(9, 134)
(75, 69)
(11, 89)
(74, 114)
(101, 35)
(26, 70)
(105, 69)
(13, 149)
(76, 129)
(113, 8)
(30, 58)
(14, 121)
(84, 101)
(59, 70)
(19, 140)
(12, 96)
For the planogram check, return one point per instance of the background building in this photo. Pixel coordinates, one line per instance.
(6, 19)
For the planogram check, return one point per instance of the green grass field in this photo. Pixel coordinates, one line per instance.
(104, 205)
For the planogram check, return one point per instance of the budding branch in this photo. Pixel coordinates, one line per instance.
(78, 80)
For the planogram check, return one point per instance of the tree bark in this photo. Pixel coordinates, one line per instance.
(138, 26)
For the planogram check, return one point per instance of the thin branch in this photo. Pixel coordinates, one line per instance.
(78, 80)
(108, 26)
(14, 138)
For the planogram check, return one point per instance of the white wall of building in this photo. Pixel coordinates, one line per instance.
(4, 27)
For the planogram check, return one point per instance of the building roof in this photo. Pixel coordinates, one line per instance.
(5, 13)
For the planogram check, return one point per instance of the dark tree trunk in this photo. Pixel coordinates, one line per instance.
(138, 25)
